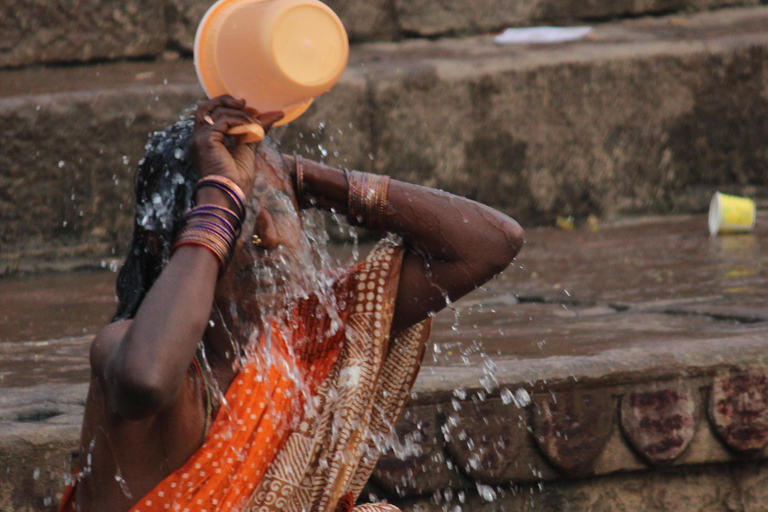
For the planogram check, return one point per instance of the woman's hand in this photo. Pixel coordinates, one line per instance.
(214, 152)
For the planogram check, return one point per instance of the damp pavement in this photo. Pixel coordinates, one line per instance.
(644, 284)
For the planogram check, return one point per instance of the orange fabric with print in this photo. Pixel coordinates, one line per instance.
(256, 416)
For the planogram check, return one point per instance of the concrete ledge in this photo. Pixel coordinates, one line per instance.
(39, 438)
(491, 445)
(736, 486)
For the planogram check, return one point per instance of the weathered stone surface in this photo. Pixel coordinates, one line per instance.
(182, 18)
(595, 9)
(39, 438)
(573, 428)
(489, 442)
(38, 405)
(374, 20)
(36, 464)
(417, 463)
(578, 138)
(739, 410)
(429, 18)
(45, 31)
(710, 488)
(660, 424)
(84, 149)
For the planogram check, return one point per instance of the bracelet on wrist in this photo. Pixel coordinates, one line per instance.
(367, 200)
(229, 187)
(214, 227)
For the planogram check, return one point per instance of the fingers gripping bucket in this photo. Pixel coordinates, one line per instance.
(278, 55)
(731, 214)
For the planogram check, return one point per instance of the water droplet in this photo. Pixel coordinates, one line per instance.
(486, 492)
(126, 160)
(123, 485)
(178, 153)
(506, 396)
(36, 474)
(62, 163)
(521, 398)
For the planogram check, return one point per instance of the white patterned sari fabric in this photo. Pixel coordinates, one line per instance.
(327, 460)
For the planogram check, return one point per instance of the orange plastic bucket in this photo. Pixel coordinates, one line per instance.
(275, 54)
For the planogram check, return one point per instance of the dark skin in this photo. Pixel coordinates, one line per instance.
(145, 413)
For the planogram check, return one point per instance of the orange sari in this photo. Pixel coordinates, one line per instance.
(301, 433)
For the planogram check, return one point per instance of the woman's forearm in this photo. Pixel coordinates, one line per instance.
(438, 224)
(145, 371)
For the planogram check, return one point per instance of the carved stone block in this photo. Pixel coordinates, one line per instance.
(416, 462)
(660, 424)
(739, 410)
(486, 438)
(572, 428)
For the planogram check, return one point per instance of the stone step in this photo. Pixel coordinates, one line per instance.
(53, 31)
(651, 116)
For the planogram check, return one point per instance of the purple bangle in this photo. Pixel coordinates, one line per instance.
(202, 213)
(231, 193)
(211, 207)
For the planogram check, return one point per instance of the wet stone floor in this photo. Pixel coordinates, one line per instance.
(633, 283)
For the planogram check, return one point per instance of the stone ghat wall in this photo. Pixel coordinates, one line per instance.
(519, 437)
(652, 116)
(68, 31)
(686, 444)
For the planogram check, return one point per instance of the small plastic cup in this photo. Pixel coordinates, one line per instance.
(275, 54)
(731, 214)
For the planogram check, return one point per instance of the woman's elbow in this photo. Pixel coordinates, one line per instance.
(136, 394)
(515, 238)
(509, 243)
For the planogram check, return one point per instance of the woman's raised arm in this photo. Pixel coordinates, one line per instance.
(454, 244)
(142, 362)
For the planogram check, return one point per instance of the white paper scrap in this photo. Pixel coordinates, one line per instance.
(542, 35)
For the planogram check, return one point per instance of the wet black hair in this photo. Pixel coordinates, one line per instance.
(165, 187)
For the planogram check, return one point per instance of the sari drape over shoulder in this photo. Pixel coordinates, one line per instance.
(301, 427)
